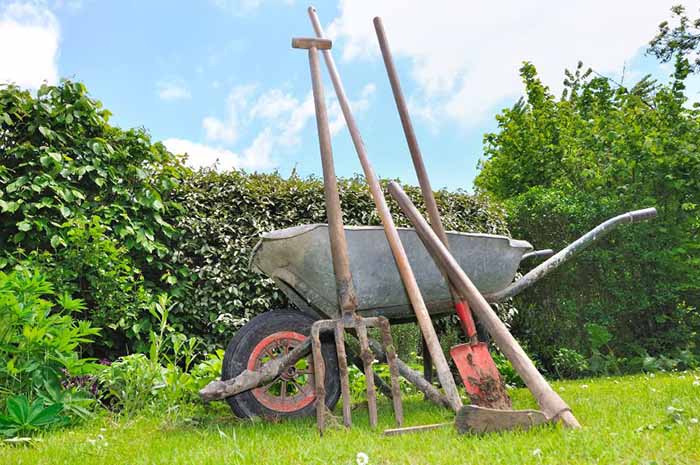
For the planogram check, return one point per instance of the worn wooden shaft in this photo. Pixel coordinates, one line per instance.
(550, 402)
(343, 370)
(391, 357)
(402, 263)
(413, 147)
(347, 298)
(367, 359)
(413, 377)
(247, 380)
(319, 378)
(411, 140)
(311, 42)
(415, 429)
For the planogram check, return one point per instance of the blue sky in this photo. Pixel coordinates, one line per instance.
(219, 79)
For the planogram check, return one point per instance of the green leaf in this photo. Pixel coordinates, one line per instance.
(57, 241)
(8, 207)
(24, 226)
(46, 132)
(65, 211)
(18, 409)
(47, 416)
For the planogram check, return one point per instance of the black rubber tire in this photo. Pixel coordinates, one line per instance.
(245, 405)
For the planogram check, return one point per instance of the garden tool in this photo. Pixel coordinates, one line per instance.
(347, 298)
(553, 406)
(407, 276)
(473, 419)
(476, 367)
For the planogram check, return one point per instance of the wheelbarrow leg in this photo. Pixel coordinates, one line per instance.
(319, 376)
(343, 368)
(367, 358)
(388, 343)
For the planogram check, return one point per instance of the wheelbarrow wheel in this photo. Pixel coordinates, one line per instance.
(291, 394)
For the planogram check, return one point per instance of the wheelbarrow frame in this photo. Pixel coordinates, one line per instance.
(248, 380)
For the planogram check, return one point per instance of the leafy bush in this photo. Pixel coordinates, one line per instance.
(227, 212)
(93, 265)
(165, 378)
(358, 384)
(40, 349)
(569, 364)
(562, 166)
(62, 166)
(38, 340)
(505, 368)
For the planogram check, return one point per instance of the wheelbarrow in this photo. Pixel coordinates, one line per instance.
(298, 259)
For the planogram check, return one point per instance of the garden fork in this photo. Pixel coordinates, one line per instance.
(347, 297)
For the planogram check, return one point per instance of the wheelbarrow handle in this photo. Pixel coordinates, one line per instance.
(538, 254)
(644, 214)
(569, 251)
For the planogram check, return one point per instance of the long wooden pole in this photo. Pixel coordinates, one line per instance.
(411, 139)
(392, 235)
(465, 317)
(550, 402)
(347, 297)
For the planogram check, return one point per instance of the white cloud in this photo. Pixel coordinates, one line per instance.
(359, 106)
(217, 130)
(239, 7)
(29, 38)
(258, 155)
(173, 90)
(464, 56)
(255, 157)
(292, 124)
(274, 119)
(272, 104)
(227, 129)
(71, 5)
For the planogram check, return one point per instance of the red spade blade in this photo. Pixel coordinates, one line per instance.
(480, 375)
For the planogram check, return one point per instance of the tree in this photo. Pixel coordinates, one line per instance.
(683, 39)
(562, 166)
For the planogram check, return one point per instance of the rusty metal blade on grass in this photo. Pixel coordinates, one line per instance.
(480, 376)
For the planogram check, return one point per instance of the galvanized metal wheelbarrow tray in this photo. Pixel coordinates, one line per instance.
(299, 260)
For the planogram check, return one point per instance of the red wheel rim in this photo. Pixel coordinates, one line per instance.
(292, 390)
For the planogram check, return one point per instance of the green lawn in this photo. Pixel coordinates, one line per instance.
(627, 420)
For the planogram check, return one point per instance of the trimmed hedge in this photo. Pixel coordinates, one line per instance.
(225, 214)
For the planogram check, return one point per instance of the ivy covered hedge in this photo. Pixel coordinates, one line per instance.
(224, 215)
